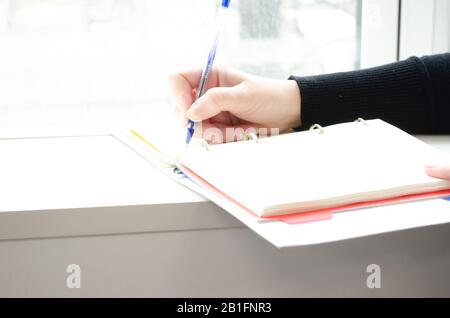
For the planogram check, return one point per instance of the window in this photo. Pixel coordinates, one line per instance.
(276, 38)
(425, 27)
(65, 62)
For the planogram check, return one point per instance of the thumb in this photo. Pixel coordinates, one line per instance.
(440, 171)
(215, 100)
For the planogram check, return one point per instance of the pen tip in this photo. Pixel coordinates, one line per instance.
(190, 133)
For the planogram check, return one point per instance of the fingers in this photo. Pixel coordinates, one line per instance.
(190, 77)
(215, 101)
(220, 133)
(440, 171)
(182, 85)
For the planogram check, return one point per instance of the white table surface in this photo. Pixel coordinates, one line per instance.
(216, 258)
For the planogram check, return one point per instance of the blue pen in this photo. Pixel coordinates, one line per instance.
(209, 64)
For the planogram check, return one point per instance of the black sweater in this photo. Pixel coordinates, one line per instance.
(413, 95)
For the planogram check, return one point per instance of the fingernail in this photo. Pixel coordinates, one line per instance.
(191, 116)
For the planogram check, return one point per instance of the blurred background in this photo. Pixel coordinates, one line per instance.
(106, 62)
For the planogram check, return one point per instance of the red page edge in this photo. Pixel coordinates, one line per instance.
(321, 214)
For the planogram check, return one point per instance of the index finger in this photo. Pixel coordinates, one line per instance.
(181, 85)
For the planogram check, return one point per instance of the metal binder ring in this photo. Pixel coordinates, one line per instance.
(252, 136)
(203, 143)
(318, 128)
(362, 121)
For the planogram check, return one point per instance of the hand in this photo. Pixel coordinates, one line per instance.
(238, 101)
(438, 170)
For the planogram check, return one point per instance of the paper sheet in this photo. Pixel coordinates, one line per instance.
(358, 223)
(307, 171)
(344, 225)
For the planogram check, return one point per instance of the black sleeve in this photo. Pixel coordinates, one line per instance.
(413, 95)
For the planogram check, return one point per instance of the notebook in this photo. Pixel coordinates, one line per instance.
(306, 175)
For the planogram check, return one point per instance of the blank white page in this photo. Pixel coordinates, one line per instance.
(347, 163)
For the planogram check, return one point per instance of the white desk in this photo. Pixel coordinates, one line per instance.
(163, 240)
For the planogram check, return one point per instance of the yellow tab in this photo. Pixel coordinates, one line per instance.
(144, 140)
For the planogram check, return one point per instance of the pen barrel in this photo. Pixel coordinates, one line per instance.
(207, 70)
(212, 53)
(209, 65)
(226, 3)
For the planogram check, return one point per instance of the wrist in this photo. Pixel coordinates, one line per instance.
(293, 103)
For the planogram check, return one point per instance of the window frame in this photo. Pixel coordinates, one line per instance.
(390, 32)
(434, 17)
(379, 32)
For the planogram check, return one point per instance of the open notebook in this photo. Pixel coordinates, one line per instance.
(305, 175)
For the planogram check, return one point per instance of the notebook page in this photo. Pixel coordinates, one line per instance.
(163, 140)
(308, 170)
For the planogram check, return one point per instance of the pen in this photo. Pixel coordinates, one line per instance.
(208, 67)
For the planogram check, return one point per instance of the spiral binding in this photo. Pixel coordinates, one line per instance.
(251, 136)
(362, 121)
(255, 138)
(321, 130)
(204, 144)
(201, 142)
(248, 136)
(317, 127)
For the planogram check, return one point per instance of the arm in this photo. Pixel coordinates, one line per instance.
(413, 95)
